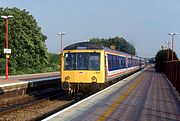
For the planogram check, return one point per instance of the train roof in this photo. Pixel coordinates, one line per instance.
(84, 45)
(92, 46)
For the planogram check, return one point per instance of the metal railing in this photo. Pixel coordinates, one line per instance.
(172, 71)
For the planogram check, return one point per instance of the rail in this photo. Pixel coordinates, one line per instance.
(172, 71)
(36, 98)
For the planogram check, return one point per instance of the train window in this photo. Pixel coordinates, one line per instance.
(123, 61)
(109, 62)
(94, 61)
(82, 61)
(70, 59)
(114, 62)
(117, 62)
(129, 62)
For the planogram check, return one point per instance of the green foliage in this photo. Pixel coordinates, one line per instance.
(162, 56)
(29, 53)
(2, 66)
(120, 44)
(54, 62)
(54, 58)
(152, 61)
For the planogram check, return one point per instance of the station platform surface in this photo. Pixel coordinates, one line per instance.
(144, 96)
(23, 79)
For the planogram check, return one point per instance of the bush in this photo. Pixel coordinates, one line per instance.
(19, 72)
(12, 71)
(161, 56)
(2, 66)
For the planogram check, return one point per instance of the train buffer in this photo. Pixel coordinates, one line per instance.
(144, 96)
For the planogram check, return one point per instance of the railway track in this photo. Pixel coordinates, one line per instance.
(33, 106)
(27, 100)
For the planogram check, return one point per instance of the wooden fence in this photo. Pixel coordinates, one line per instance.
(172, 71)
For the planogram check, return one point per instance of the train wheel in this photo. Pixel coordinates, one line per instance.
(71, 94)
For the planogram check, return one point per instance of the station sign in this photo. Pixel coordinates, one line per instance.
(8, 51)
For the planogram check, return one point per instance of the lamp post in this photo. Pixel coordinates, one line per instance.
(172, 34)
(6, 17)
(168, 42)
(61, 34)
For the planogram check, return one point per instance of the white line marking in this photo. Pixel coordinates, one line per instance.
(29, 81)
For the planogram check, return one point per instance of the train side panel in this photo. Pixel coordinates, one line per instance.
(119, 65)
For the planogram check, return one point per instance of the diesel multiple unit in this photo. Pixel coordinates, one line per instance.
(89, 65)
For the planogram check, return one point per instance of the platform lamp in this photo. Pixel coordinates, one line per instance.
(6, 50)
(172, 34)
(168, 42)
(61, 34)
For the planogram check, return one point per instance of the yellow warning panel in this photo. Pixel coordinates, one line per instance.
(7, 56)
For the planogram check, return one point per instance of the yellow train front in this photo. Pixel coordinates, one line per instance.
(82, 67)
(89, 67)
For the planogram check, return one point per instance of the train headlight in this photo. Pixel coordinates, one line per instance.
(67, 78)
(94, 79)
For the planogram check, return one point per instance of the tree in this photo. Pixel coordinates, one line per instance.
(27, 42)
(54, 61)
(162, 56)
(120, 44)
(152, 60)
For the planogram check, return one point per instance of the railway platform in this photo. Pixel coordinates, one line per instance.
(144, 96)
(20, 84)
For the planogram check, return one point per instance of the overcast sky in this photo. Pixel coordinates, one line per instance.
(143, 23)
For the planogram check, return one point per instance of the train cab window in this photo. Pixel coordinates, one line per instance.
(82, 61)
(94, 61)
(70, 61)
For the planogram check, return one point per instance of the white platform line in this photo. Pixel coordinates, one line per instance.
(25, 75)
(28, 81)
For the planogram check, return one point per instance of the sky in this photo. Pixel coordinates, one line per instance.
(143, 23)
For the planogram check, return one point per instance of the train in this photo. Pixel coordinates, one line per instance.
(87, 66)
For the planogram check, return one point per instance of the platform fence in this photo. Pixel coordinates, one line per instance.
(172, 71)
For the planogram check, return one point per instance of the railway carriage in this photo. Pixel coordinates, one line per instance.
(89, 65)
